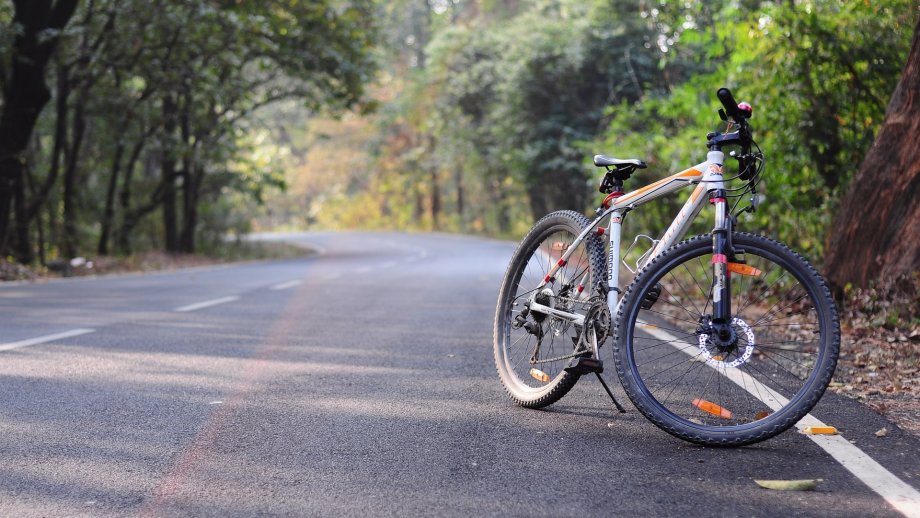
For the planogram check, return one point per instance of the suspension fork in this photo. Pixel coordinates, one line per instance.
(722, 253)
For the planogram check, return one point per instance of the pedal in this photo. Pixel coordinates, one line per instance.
(584, 366)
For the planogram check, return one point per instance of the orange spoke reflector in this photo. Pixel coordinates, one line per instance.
(717, 358)
(819, 430)
(760, 415)
(646, 326)
(539, 375)
(711, 408)
(743, 269)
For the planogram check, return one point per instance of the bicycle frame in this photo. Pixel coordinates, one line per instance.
(707, 176)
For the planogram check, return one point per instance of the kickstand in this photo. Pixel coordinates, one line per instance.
(615, 402)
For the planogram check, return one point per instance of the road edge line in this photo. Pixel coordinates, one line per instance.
(899, 494)
(45, 339)
(206, 304)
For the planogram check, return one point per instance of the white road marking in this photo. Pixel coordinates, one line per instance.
(286, 285)
(44, 339)
(895, 491)
(206, 304)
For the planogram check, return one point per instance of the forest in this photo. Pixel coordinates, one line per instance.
(131, 125)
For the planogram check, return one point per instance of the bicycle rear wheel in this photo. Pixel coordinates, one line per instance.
(533, 349)
(751, 386)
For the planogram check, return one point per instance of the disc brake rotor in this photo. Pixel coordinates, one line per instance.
(720, 359)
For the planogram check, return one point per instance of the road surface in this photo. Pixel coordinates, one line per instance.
(358, 381)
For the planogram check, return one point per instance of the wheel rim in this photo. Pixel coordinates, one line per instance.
(759, 375)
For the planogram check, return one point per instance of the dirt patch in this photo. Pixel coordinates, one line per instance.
(880, 354)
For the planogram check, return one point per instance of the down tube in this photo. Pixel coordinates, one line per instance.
(679, 227)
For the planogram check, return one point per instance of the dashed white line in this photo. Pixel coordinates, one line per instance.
(895, 491)
(286, 285)
(45, 339)
(206, 304)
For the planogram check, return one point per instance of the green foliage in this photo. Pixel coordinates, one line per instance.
(483, 117)
(160, 106)
(819, 88)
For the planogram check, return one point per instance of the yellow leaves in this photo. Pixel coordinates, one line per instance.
(819, 430)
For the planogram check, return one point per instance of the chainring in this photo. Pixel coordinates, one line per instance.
(599, 317)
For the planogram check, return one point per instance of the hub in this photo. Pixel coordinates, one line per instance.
(719, 343)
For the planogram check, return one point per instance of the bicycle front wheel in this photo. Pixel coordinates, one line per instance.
(533, 349)
(758, 381)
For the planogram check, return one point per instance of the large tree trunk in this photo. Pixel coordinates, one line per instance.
(874, 237)
(26, 93)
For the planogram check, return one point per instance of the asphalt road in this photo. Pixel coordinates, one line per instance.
(357, 381)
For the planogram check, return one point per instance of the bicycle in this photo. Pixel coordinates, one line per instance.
(725, 339)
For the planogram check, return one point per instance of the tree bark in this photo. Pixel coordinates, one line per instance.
(71, 174)
(129, 217)
(26, 93)
(168, 174)
(108, 215)
(435, 200)
(874, 236)
(191, 194)
(190, 179)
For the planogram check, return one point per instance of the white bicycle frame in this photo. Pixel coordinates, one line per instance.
(707, 176)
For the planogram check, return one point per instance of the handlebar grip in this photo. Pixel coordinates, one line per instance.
(728, 101)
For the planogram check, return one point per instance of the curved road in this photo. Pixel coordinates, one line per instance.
(357, 381)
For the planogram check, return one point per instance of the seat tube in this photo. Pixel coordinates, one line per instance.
(613, 260)
(721, 289)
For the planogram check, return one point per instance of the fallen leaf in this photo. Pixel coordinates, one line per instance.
(882, 433)
(789, 485)
(819, 430)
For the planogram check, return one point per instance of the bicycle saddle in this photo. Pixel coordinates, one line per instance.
(609, 161)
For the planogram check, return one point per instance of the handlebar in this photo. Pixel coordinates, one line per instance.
(738, 112)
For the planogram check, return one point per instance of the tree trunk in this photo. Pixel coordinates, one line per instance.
(191, 194)
(189, 181)
(26, 93)
(874, 237)
(435, 200)
(458, 182)
(108, 215)
(123, 236)
(168, 172)
(71, 173)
